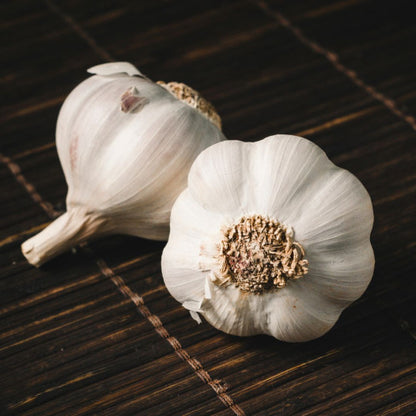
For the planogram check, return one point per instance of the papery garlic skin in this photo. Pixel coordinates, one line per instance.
(285, 178)
(126, 146)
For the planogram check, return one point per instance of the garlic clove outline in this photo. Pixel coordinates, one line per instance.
(285, 178)
(126, 145)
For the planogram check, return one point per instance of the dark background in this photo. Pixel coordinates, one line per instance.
(341, 73)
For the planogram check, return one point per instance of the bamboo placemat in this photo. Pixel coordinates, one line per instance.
(95, 331)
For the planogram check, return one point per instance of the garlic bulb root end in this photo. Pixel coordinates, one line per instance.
(66, 232)
(258, 254)
(194, 99)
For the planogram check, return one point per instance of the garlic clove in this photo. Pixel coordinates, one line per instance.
(299, 319)
(292, 169)
(232, 313)
(336, 211)
(187, 256)
(343, 275)
(285, 315)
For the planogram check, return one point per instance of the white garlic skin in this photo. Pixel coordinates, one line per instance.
(289, 179)
(124, 169)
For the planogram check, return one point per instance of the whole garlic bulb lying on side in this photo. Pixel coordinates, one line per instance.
(126, 145)
(269, 237)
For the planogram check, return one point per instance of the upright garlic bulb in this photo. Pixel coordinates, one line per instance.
(126, 146)
(269, 237)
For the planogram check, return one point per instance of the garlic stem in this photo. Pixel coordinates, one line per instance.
(66, 232)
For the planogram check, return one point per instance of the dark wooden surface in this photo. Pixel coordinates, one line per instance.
(341, 73)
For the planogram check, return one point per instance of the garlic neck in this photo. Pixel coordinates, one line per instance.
(259, 255)
(66, 232)
(191, 97)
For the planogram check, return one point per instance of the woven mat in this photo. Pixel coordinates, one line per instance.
(96, 332)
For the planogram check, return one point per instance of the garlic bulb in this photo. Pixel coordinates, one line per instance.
(269, 237)
(126, 145)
